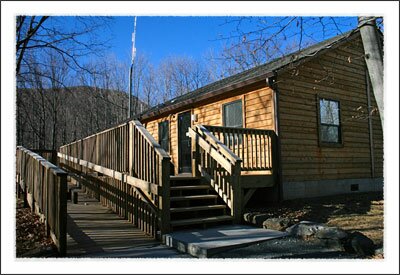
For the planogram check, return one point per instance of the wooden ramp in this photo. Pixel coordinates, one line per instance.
(95, 231)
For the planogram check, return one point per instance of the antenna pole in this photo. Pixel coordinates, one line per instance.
(131, 69)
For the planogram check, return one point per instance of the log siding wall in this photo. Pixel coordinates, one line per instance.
(338, 74)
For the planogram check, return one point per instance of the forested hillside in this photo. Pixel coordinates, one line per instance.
(48, 118)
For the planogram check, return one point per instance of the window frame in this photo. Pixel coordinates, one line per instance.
(168, 134)
(322, 143)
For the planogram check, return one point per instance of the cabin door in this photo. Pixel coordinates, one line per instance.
(184, 143)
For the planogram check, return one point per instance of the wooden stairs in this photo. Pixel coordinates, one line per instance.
(195, 204)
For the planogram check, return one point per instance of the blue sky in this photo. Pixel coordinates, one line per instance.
(159, 37)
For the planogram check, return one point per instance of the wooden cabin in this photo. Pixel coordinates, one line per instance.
(319, 155)
(304, 125)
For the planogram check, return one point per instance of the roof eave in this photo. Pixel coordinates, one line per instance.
(188, 103)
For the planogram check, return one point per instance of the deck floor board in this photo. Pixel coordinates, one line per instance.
(94, 230)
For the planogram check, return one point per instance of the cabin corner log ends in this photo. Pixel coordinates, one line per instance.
(44, 188)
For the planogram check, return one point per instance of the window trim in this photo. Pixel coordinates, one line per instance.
(319, 124)
(168, 136)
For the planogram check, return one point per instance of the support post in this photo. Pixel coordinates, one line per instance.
(165, 196)
(274, 155)
(195, 156)
(62, 214)
(237, 192)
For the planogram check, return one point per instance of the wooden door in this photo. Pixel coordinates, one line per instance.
(184, 143)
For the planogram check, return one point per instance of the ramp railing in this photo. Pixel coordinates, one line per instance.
(132, 173)
(44, 187)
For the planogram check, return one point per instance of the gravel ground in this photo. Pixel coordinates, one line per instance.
(286, 248)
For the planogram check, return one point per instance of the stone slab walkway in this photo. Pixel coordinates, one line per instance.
(207, 242)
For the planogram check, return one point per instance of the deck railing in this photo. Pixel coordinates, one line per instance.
(44, 187)
(256, 148)
(133, 174)
(219, 166)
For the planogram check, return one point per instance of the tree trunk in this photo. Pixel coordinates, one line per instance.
(373, 58)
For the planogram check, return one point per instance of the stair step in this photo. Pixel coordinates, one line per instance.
(201, 220)
(197, 208)
(184, 177)
(189, 187)
(196, 197)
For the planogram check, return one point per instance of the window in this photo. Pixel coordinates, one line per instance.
(233, 117)
(329, 122)
(232, 114)
(163, 135)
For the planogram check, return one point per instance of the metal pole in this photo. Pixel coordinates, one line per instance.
(131, 70)
(130, 92)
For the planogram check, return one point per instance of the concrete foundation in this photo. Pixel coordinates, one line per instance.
(319, 188)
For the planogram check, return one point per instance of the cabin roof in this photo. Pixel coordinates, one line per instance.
(246, 77)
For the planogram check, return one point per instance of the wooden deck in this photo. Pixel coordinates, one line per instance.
(95, 231)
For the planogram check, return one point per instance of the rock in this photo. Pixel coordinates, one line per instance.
(305, 229)
(277, 223)
(332, 233)
(259, 219)
(247, 217)
(256, 218)
(360, 244)
(379, 251)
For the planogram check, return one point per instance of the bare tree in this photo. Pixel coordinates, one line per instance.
(150, 91)
(272, 37)
(257, 40)
(65, 39)
(70, 37)
(373, 58)
(182, 74)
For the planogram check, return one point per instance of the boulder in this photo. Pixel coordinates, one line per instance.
(332, 233)
(305, 229)
(277, 223)
(256, 218)
(259, 219)
(247, 217)
(360, 244)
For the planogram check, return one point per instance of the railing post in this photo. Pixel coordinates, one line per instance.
(165, 196)
(62, 214)
(132, 148)
(237, 192)
(274, 156)
(195, 156)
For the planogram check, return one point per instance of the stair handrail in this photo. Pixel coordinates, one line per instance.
(205, 145)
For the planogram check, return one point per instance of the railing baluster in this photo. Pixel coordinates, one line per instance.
(254, 146)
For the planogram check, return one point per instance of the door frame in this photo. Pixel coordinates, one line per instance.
(178, 138)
